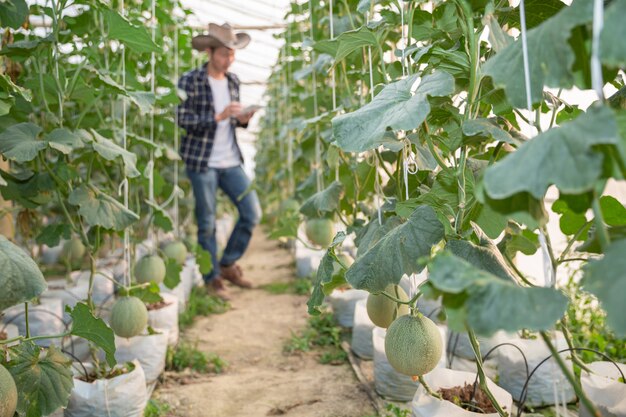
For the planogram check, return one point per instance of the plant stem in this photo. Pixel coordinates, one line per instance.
(570, 376)
(570, 343)
(26, 318)
(603, 234)
(481, 373)
(571, 242)
(429, 391)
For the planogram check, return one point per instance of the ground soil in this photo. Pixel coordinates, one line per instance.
(261, 380)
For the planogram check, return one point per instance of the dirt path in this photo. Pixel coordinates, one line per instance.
(260, 379)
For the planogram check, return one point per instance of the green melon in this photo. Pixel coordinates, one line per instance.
(289, 205)
(320, 231)
(176, 251)
(382, 310)
(413, 345)
(150, 268)
(8, 393)
(129, 317)
(73, 251)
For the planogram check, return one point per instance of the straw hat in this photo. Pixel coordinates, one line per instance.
(220, 36)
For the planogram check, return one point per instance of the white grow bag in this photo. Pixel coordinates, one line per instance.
(149, 350)
(362, 344)
(122, 396)
(43, 319)
(604, 390)
(425, 405)
(541, 387)
(343, 304)
(166, 318)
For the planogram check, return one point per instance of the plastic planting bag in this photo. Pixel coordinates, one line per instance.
(425, 405)
(149, 350)
(122, 396)
(166, 318)
(103, 287)
(548, 385)
(604, 389)
(45, 318)
(459, 344)
(343, 304)
(362, 344)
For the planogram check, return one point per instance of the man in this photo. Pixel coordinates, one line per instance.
(210, 113)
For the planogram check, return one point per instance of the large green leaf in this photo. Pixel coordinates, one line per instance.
(374, 231)
(397, 253)
(323, 202)
(21, 280)
(10, 87)
(324, 277)
(394, 107)
(486, 127)
(550, 56)
(203, 259)
(110, 151)
(612, 45)
(44, 382)
(135, 37)
(348, 42)
(613, 212)
(606, 279)
(85, 325)
(561, 156)
(99, 209)
(51, 234)
(13, 13)
(19, 142)
(172, 273)
(64, 140)
(489, 303)
(484, 256)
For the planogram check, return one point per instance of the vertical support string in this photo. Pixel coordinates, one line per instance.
(151, 234)
(318, 151)
(176, 140)
(596, 66)
(404, 42)
(333, 80)
(126, 186)
(292, 186)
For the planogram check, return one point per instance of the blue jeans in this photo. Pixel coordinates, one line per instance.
(234, 182)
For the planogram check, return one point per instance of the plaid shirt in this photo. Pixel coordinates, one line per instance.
(197, 116)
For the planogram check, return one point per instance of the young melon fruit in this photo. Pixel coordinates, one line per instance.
(382, 310)
(73, 251)
(413, 345)
(150, 268)
(176, 251)
(129, 317)
(320, 231)
(289, 205)
(8, 393)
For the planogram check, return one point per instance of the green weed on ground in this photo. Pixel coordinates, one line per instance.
(156, 408)
(187, 356)
(201, 303)
(323, 334)
(299, 286)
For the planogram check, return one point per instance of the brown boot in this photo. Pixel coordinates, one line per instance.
(218, 288)
(234, 274)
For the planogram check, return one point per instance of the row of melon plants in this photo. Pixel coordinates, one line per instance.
(431, 141)
(95, 250)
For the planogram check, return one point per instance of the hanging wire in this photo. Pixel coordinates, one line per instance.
(529, 104)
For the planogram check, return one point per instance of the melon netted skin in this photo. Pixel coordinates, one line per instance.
(73, 251)
(129, 317)
(320, 231)
(150, 268)
(382, 310)
(8, 393)
(413, 345)
(176, 251)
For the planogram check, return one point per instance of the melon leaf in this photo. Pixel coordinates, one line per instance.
(21, 280)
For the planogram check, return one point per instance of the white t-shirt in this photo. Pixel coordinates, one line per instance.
(224, 153)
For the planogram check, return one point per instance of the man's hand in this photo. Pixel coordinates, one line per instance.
(232, 110)
(245, 117)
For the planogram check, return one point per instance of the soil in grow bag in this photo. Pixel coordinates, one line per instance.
(469, 397)
(157, 306)
(113, 373)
